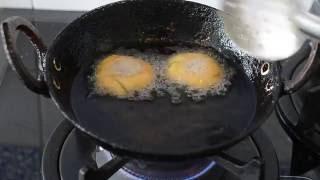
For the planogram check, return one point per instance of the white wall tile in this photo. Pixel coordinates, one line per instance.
(76, 5)
(80, 5)
(73, 5)
(212, 3)
(27, 4)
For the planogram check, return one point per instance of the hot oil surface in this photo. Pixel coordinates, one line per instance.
(147, 125)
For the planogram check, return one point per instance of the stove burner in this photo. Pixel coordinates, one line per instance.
(194, 171)
(139, 169)
(69, 150)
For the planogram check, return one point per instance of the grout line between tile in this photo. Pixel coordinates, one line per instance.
(32, 4)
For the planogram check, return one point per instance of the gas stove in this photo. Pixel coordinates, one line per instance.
(71, 155)
(297, 114)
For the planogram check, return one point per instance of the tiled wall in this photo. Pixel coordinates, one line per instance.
(77, 5)
(16, 3)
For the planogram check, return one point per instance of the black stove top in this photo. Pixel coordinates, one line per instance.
(69, 151)
(27, 120)
(298, 115)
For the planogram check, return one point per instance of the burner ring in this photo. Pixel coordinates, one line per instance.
(139, 169)
(191, 177)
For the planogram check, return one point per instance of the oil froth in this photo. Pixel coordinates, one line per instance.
(162, 86)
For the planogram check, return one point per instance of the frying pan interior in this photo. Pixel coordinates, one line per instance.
(158, 128)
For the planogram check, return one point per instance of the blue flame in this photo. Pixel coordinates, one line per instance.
(204, 171)
(134, 176)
